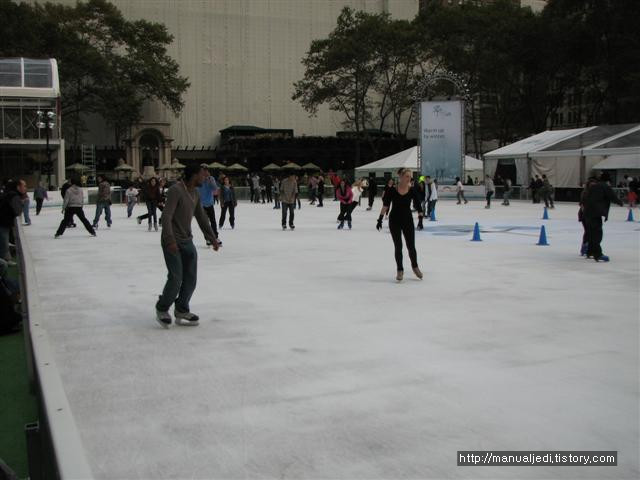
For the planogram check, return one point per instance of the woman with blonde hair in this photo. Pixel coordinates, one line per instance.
(399, 199)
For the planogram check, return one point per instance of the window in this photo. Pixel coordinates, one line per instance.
(10, 72)
(37, 73)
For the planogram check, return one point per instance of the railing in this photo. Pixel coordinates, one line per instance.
(54, 446)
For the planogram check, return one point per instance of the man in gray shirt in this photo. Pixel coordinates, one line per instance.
(288, 191)
(182, 204)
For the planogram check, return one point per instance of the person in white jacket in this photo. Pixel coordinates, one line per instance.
(73, 202)
(460, 191)
(433, 198)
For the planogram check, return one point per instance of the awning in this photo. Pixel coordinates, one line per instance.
(619, 162)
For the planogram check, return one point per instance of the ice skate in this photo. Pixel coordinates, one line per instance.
(417, 272)
(399, 275)
(186, 318)
(340, 225)
(163, 318)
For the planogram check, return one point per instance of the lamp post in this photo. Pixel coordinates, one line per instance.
(46, 121)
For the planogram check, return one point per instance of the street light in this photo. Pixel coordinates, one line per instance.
(46, 121)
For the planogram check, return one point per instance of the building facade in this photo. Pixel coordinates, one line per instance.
(30, 134)
(242, 58)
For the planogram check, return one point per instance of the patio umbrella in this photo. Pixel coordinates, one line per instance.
(78, 167)
(124, 168)
(272, 167)
(291, 166)
(311, 166)
(236, 167)
(176, 165)
(217, 166)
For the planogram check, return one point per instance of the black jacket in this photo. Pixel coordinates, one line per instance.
(597, 200)
(10, 208)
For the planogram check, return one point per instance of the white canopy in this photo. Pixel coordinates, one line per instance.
(535, 143)
(409, 159)
(619, 162)
(405, 159)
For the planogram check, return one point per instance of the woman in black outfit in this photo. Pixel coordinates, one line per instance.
(401, 220)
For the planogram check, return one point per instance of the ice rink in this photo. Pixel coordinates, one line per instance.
(310, 361)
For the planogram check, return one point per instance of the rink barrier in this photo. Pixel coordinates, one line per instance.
(54, 444)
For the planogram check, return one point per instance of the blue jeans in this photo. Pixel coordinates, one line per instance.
(130, 205)
(25, 211)
(107, 213)
(181, 279)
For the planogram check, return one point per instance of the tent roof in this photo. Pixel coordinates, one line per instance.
(405, 159)
(619, 162)
(598, 140)
(471, 163)
(535, 143)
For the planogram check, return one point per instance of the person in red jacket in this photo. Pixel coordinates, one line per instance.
(335, 181)
(345, 195)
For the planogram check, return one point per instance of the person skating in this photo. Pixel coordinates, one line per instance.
(433, 197)
(390, 184)
(401, 221)
(103, 203)
(152, 196)
(420, 197)
(489, 189)
(320, 190)
(63, 190)
(345, 197)
(460, 191)
(276, 193)
(39, 195)
(507, 192)
(131, 195)
(547, 192)
(26, 202)
(597, 200)
(208, 191)
(357, 191)
(288, 193)
(180, 255)
(584, 247)
(227, 197)
(72, 205)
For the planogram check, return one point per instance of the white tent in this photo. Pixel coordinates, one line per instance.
(405, 159)
(619, 162)
(409, 159)
(566, 157)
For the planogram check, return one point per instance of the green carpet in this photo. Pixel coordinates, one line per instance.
(17, 406)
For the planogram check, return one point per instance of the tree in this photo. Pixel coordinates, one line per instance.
(107, 64)
(342, 69)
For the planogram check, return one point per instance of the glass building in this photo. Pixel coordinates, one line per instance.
(31, 146)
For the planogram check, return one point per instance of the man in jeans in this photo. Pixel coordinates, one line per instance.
(208, 191)
(103, 202)
(288, 193)
(183, 202)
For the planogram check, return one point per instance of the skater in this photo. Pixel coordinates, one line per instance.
(228, 201)
(276, 193)
(507, 192)
(489, 189)
(132, 198)
(372, 191)
(547, 191)
(255, 182)
(268, 183)
(63, 190)
(401, 221)
(390, 184)
(320, 190)
(152, 197)
(181, 258)
(460, 191)
(298, 202)
(73, 202)
(597, 201)
(208, 190)
(10, 209)
(357, 191)
(39, 195)
(583, 195)
(103, 202)
(433, 198)
(345, 196)
(25, 208)
(288, 190)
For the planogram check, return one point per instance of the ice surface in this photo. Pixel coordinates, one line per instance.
(312, 362)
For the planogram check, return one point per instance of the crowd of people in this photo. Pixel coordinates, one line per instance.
(198, 192)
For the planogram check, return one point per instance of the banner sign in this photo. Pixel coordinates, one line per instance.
(441, 139)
